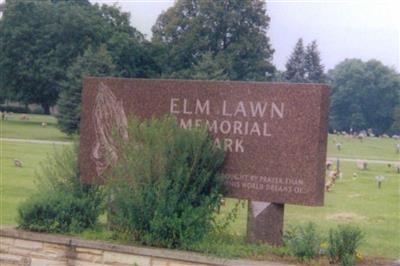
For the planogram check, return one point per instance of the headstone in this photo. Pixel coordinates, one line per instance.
(379, 180)
(339, 146)
(17, 163)
(361, 164)
(328, 164)
(275, 135)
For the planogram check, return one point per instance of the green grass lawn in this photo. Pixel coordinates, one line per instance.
(356, 201)
(369, 148)
(359, 201)
(14, 127)
(17, 183)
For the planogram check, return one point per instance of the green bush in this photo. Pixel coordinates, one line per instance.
(302, 241)
(166, 185)
(343, 244)
(62, 203)
(37, 110)
(59, 213)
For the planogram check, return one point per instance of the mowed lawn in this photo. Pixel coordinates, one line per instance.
(15, 127)
(356, 201)
(359, 201)
(369, 148)
(352, 200)
(17, 183)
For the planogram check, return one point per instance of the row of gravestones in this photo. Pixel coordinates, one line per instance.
(4, 116)
(397, 147)
(363, 134)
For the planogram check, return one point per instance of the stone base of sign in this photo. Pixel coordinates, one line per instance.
(25, 248)
(265, 222)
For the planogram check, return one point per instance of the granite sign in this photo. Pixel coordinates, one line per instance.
(275, 133)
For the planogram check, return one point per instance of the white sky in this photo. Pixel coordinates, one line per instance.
(363, 29)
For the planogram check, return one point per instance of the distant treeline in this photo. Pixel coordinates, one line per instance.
(48, 46)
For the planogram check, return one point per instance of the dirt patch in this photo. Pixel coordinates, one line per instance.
(354, 195)
(349, 216)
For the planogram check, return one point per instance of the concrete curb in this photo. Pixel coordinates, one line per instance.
(189, 257)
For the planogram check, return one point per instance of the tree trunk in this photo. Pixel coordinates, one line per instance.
(46, 108)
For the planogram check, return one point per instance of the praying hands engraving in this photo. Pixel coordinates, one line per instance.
(108, 116)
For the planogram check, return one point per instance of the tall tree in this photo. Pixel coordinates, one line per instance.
(364, 95)
(313, 66)
(27, 65)
(208, 68)
(233, 31)
(304, 64)
(395, 129)
(295, 66)
(39, 40)
(92, 63)
(130, 51)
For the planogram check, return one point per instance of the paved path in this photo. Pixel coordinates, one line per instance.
(69, 143)
(333, 159)
(35, 141)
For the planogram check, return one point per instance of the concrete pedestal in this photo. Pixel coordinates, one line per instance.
(265, 222)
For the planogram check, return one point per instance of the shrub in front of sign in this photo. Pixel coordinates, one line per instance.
(166, 185)
(303, 242)
(61, 203)
(343, 243)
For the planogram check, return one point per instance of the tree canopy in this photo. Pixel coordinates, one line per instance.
(92, 63)
(304, 64)
(295, 66)
(39, 40)
(231, 33)
(47, 46)
(364, 95)
(395, 128)
(314, 70)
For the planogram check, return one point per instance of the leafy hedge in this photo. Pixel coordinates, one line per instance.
(62, 203)
(166, 185)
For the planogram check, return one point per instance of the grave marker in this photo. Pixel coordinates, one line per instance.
(379, 180)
